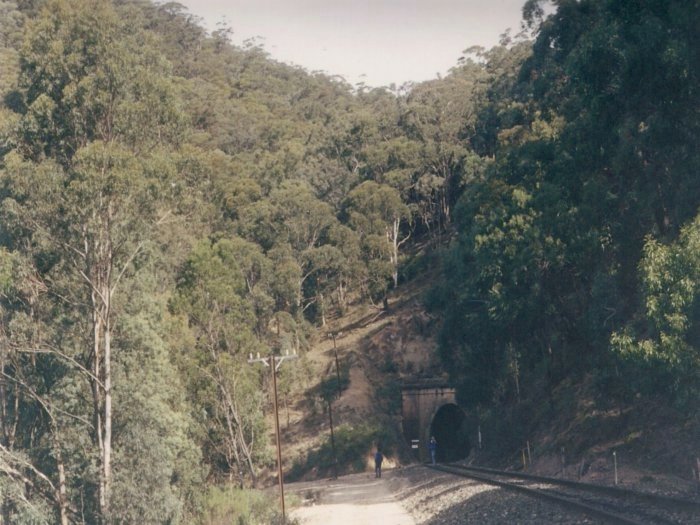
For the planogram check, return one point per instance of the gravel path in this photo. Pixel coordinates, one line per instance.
(359, 499)
(419, 496)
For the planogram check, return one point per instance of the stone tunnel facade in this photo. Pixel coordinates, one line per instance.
(419, 404)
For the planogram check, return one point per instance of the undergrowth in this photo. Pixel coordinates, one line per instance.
(234, 506)
(352, 446)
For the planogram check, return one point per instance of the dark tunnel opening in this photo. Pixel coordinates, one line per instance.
(449, 427)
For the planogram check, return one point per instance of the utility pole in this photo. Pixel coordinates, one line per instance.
(337, 365)
(330, 409)
(335, 457)
(274, 362)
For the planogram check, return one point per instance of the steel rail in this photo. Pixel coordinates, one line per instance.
(671, 502)
(567, 502)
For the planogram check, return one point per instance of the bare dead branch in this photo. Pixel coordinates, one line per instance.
(44, 404)
(80, 367)
(126, 265)
(6, 467)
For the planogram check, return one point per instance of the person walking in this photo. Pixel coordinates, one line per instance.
(432, 447)
(378, 458)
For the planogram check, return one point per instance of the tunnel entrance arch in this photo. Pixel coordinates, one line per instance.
(449, 426)
(429, 407)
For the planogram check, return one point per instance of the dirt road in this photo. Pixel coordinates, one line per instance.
(358, 499)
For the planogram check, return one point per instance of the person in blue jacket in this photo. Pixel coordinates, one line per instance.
(432, 447)
(378, 458)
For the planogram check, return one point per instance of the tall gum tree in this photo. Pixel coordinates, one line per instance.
(99, 109)
(377, 210)
(215, 291)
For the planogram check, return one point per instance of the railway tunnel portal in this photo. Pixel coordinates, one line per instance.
(429, 408)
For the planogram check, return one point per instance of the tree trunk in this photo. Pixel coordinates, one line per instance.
(99, 268)
(322, 307)
(61, 495)
(342, 297)
(240, 449)
(107, 459)
(393, 238)
(97, 398)
(8, 428)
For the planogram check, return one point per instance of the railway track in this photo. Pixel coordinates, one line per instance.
(610, 504)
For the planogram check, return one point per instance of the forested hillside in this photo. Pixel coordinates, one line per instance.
(171, 203)
(576, 251)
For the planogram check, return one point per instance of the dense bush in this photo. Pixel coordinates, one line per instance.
(231, 506)
(353, 447)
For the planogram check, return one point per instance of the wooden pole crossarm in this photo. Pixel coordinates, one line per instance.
(274, 362)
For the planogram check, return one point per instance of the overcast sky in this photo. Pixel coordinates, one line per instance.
(377, 42)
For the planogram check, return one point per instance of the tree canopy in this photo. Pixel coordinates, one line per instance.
(171, 203)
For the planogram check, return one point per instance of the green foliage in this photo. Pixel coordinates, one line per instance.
(372, 207)
(659, 351)
(157, 462)
(352, 447)
(228, 505)
(114, 87)
(83, 191)
(215, 293)
(503, 428)
(388, 393)
(577, 132)
(11, 22)
(184, 202)
(18, 506)
(376, 212)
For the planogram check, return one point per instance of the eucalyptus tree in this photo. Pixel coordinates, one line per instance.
(216, 293)
(583, 165)
(83, 190)
(11, 22)
(616, 83)
(440, 117)
(377, 213)
(33, 491)
(664, 343)
(295, 228)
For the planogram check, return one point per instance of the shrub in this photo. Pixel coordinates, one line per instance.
(233, 506)
(352, 443)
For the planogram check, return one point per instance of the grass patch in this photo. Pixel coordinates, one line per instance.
(233, 506)
(352, 444)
